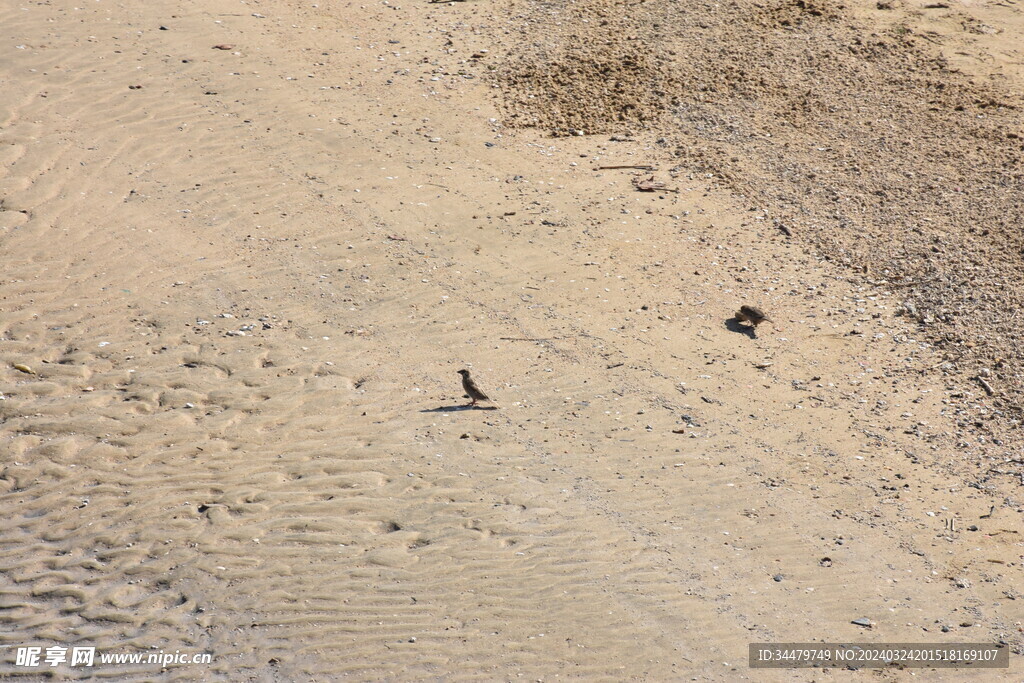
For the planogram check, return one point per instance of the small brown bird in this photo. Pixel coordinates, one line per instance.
(751, 314)
(471, 388)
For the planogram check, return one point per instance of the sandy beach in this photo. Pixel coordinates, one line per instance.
(248, 245)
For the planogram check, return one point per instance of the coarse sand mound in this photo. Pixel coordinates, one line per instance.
(866, 144)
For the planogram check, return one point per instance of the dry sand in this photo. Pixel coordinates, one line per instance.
(244, 280)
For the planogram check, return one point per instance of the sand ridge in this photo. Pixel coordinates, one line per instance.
(245, 289)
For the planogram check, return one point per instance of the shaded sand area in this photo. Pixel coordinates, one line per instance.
(247, 247)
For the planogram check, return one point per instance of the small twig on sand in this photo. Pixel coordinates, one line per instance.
(644, 167)
(652, 185)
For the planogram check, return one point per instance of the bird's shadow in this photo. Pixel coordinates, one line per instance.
(734, 325)
(458, 408)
